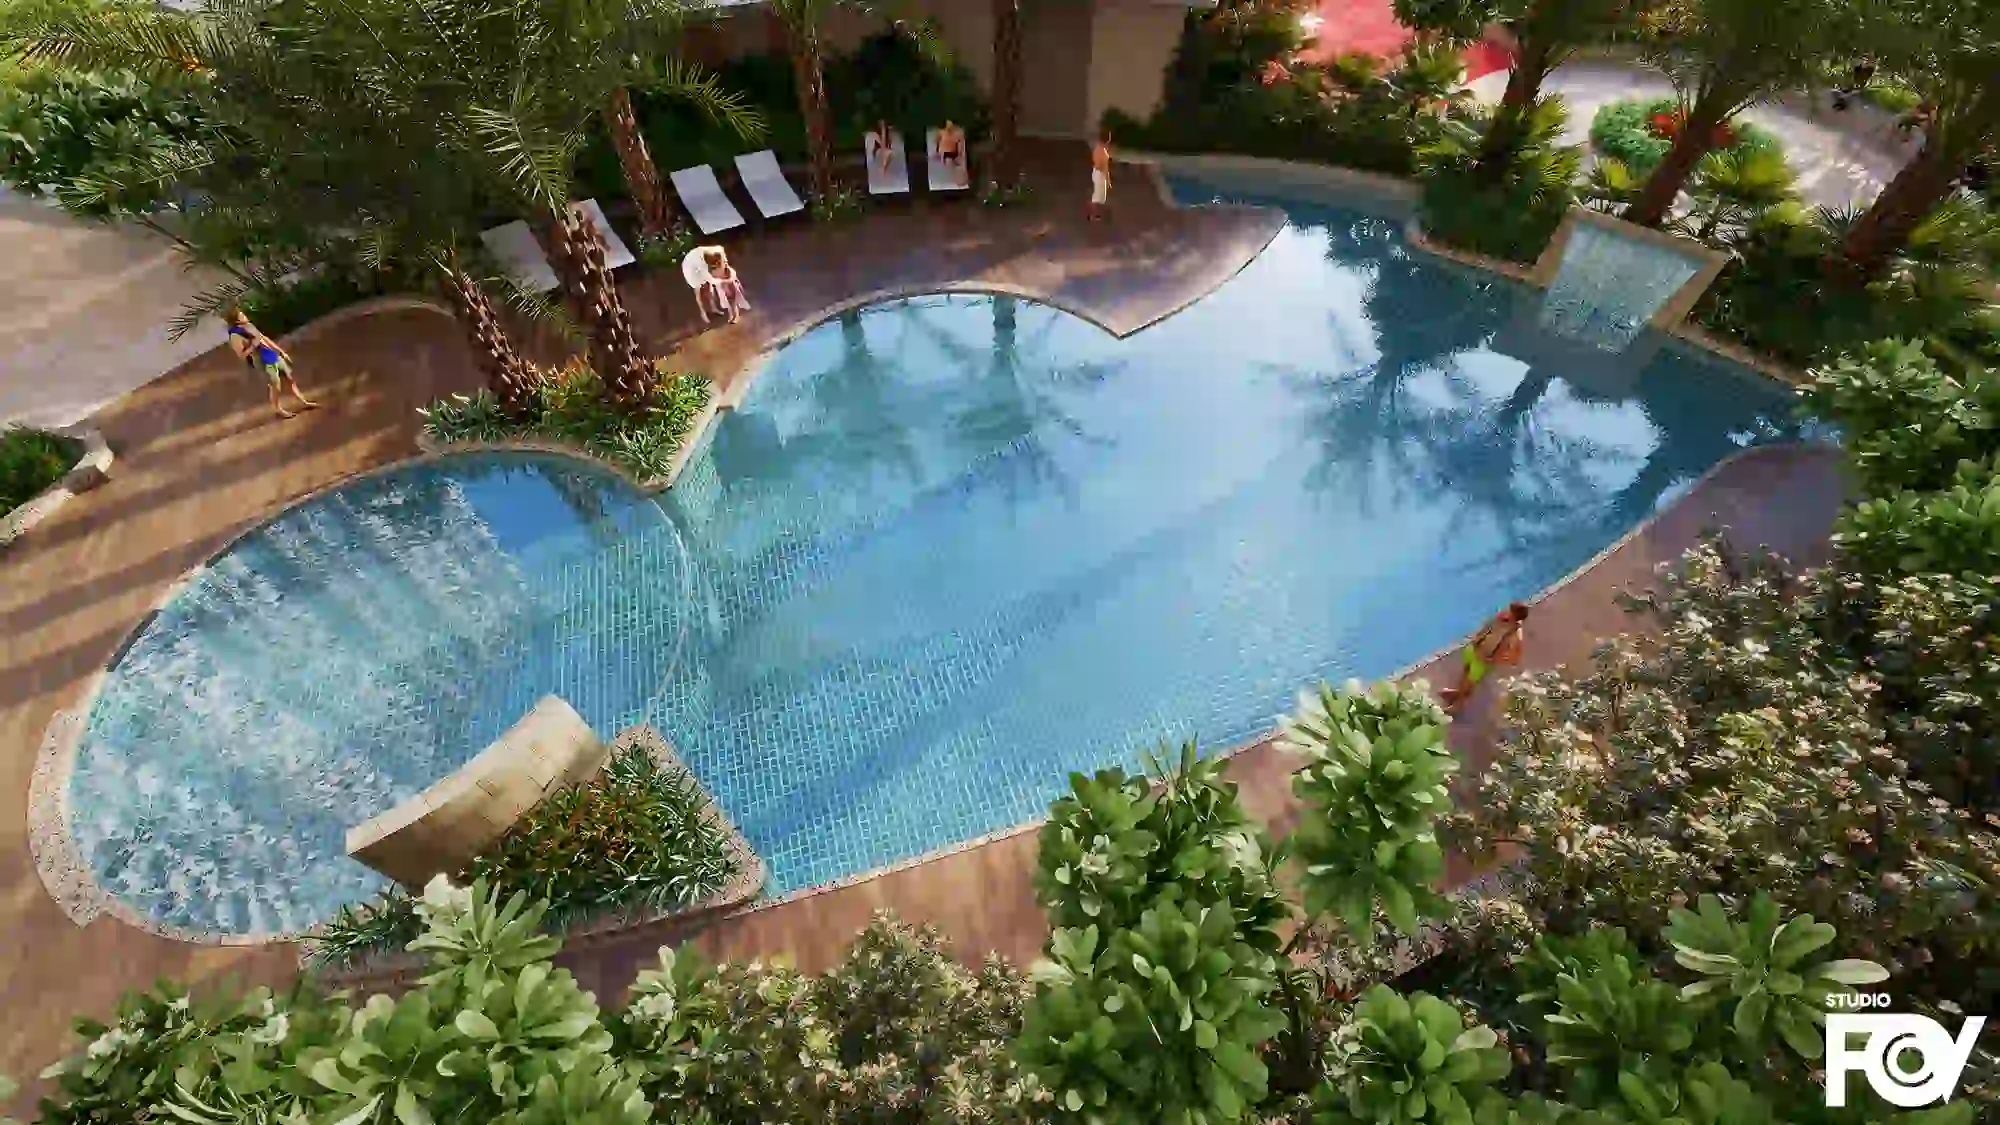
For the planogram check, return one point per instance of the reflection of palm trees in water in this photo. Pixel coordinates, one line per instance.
(1369, 428)
(1020, 404)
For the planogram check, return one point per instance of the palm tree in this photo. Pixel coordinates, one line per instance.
(320, 151)
(1737, 185)
(1726, 55)
(610, 46)
(1951, 51)
(803, 21)
(1006, 88)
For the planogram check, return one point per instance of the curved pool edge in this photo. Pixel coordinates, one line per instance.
(1398, 198)
(1582, 571)
(58, 862)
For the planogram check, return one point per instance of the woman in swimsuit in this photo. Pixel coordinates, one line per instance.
(1500, 642)
(728, 284)
(263, 355)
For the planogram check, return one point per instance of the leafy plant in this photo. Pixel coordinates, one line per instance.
(665, 251)
(636, 838)
(1115, 846)
(897, 1031)
(1768, 967)
(1164, 1021)
(1510, 212)
(31, 461)
(62, 129)
(1401, 1061)
(1620, 1034)
(839, 205)
(1908, 424)
(569, 407)
(1373, 783)
(1746, 747)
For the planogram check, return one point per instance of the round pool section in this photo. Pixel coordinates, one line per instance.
(948, 550)
(348, 654)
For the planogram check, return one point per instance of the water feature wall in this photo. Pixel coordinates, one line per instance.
(1607, 280)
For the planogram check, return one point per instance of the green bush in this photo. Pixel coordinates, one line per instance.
(570, 407)
(634, 838)
(1750, 745)
(1510, 211)
(887, 75)
(62, 130)
(1622, 130)
(31, 461)
(288, 306)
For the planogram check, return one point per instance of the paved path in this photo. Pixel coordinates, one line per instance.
(1842, 159)
(83, 312)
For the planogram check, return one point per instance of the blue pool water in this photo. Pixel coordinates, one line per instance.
(948, 550)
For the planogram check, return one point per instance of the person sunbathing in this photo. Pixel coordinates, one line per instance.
(883, 139)
(951, 143)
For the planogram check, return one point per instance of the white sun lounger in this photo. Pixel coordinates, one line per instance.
(767, 185)
(616, 253)
(942, 176)
(703, 198)
(513, 245)
(893, 180)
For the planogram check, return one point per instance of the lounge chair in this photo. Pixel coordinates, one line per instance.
(945, 177)
(893, 180)
(513, 245)
(767, 185)
(616, 253)
(703, 198)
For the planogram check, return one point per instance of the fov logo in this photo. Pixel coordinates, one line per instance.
(1881, 1047)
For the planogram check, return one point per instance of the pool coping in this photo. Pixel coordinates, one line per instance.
(69, 881)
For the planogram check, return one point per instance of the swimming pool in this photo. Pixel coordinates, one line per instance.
(947, 550)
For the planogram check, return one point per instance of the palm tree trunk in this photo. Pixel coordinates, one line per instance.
(508, 376)
(642, 178)
(1696, 140)
(1524, 85)
(809, 72)
(1900, 209)
(1006, 86)
(578, 257)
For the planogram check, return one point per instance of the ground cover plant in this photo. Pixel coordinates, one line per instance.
(1639, 131)
(567, 406)
(634, 839)
(31, 461)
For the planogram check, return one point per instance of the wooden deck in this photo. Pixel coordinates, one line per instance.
(200, 459)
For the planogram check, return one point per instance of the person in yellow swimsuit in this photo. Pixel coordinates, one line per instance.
(1498, 643)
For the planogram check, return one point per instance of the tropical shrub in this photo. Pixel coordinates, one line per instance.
(897, 1032)
(1236, 85)
(62, 131)
(637, 838)
(1774, 296)
(571, 407)
(1640, 131)
(31, 461)
(1407, 1060)
(1509, 212)
(1746, 747)
(1908, 423)
(1373, 783)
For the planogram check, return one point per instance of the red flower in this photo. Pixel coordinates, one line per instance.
(1666, 123)
(1275, 72)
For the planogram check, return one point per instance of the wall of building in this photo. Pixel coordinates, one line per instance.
(1079, 59)
(1135, 41)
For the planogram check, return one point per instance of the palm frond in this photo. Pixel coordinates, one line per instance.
(701, 89)
(160, 45)
(540, 308)
(532, 155)
(205, 305)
